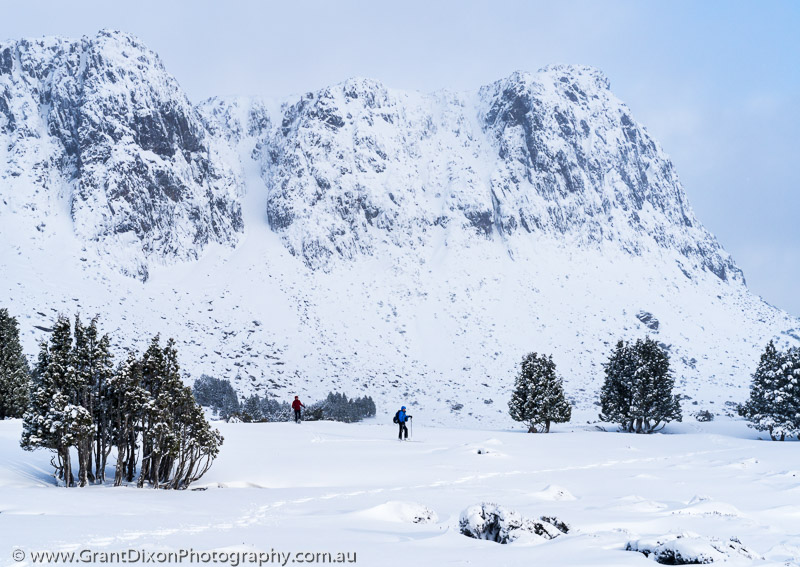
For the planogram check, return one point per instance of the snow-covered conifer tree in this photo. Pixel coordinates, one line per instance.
(50, 421)
(178, 444)
(616, 393)
(538, 397)
(102, 371)
(14, 371)
(774, 403)
(637, 391)
(125, 398)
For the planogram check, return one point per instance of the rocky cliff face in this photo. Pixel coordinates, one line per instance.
(553, 153)
(101, 120)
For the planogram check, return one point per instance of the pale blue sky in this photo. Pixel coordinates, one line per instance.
(716, 82)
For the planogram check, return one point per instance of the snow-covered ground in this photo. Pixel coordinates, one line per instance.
(353, 488)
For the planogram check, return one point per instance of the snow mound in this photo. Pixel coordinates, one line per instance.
(709, 508)
(554, 493)
(634, 502)
(495, 523)
(401, 511)
(690, 549)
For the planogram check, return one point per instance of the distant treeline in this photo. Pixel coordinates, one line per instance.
(218, 395)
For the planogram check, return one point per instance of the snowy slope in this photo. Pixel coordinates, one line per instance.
(364, 239)
(352, 488)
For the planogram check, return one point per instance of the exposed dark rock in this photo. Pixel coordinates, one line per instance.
(648, 320)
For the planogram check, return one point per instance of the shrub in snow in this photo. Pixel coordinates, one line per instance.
(496, 523)
(538, 397)
(637, 391)
(704, 416)
(774, 403)
(14, 371)
(689, 549)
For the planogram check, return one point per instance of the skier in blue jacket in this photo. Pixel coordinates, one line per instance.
(400, 418)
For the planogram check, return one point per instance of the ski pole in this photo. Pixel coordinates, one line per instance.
(411, 429)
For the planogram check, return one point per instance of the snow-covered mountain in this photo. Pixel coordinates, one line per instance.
(361, 238)
(101, 122)
(555, 153)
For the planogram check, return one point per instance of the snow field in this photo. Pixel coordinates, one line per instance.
(355, 488)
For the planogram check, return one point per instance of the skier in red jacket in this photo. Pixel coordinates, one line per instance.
(296, 405)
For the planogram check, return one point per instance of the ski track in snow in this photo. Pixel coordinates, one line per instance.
(261, 514)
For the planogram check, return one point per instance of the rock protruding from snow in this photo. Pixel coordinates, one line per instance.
(648, 320)
(499, 524)
(690, 549)
(101, 120)
(235, 118)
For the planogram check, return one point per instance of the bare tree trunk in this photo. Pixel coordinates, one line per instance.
(99, 466)
(104, 460)
(120, 468)
(68, 479)
(155, 464)
(131, 464)
(89, 473)
(83, 463)
(58, 466)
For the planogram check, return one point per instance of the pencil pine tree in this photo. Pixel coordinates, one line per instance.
(78, 401)
(637, 391)
(14, 370)
(538, 397)
(774, 403)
